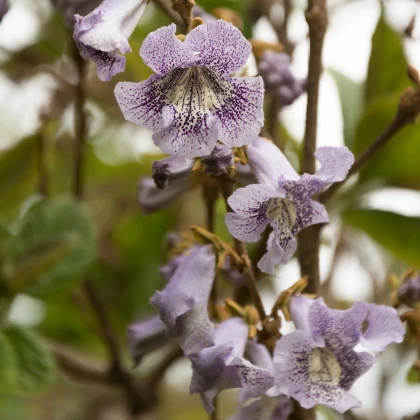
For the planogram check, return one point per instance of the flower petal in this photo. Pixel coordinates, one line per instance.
(250, 204)
(220, 46)
(163, 52)
(240, 116)
(299, 309)
(145, 337)
(384, 328)
(268, 162)
(173, 168)
(218, 161)
(107, 65)
(182, 305)
(335, 163)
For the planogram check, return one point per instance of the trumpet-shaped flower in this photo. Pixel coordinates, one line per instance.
(104, 33)
(192, 101)
(282, 199)
(317, 364)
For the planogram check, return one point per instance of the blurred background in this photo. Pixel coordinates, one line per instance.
(49, 247)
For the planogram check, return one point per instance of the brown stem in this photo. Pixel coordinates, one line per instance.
(393, 128)
(80, 126)
(166, 7)
(43, 180)
(226, 186)
(316, 16)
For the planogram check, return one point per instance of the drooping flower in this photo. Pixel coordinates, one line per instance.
(104, 33)
(409, 291)
(282, 199)
(274, 68)
(222, 365)
(192, 101)
(182, 305)
(145, 337)
(317, 364)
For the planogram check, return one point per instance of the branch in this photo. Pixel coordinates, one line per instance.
(316, 16)
(408, 110)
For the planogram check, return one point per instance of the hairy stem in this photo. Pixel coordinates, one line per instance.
(316, 16)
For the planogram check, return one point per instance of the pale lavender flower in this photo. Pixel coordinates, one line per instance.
(192, 101)
(4, 8)
(282, 199)
(222, 365)
(182, 305)
(218, 162)
(274, 68)
(104, 33)
(317, 364)
(409, 291)
(145, 337)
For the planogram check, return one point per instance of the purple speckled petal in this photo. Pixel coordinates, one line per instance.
(250, 204)
(145, 337)
(107, 65)
(268, 162)
(240, 116)
(335, 163)
(220, 46)
(310, 375)
(266, 408)
(222, 366)
(384, 328)
(152, 199)
(338, 328)
(299, 309)
(168, 170)
(182, 305)
(163, 52)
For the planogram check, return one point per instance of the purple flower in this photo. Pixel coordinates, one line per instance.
(218, 161)
(182, 305)
(274, 68)
(282, 199)
(4, 8)
(409, 291)
(222, 365)
(191, 101)
(145, 337)
(103, 33)
(317, 364)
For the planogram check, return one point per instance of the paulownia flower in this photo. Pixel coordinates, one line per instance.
(317, 364)
(282, 199)
(222, 365)
(182, 305)
(145, 337)
(104, 33)
(274, 68)
(192, 101)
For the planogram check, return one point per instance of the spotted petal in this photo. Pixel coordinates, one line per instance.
(250, 205)
(182, 305)
(220, 46)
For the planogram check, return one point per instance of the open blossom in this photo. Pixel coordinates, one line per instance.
(317, 364)
(192, 101)
(282, 199)
(222, 365)
(274, 68)
(104, 33)
(182, 305)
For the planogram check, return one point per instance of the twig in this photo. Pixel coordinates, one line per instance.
(316, 16)
(166, 7)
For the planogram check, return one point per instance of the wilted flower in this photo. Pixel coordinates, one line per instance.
(409, 291)
(182, 305)
(282, 199)
(145, 337)
(192, 101)
(317, 364)
(274, 68)
(104, 33)
(222, 365)
(4, 8)
(218, 161)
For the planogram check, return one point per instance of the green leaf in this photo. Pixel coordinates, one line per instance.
(7, 365)
(351, 98)
(397, 233)
(387, 71)
(33, 362)
(396, 163)
(66, 224)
